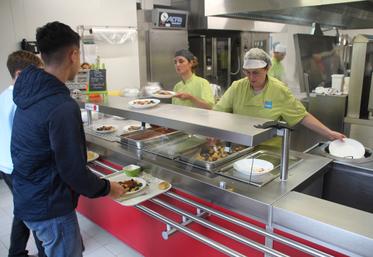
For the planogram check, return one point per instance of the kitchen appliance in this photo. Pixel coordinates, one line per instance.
(359, 118)
(220, 53)
(161, 33)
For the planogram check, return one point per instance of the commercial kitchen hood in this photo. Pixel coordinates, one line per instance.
(344, 14)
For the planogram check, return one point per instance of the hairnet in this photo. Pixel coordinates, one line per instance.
(185, 53)
(256, 58)
(280, 48)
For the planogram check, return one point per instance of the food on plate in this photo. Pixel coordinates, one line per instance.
(130, 185)
(163, 92)
(90, 155)
(133, 128)
(216, 152)
(163, 185)
(144, 102)
(105, 128)
(258, 169)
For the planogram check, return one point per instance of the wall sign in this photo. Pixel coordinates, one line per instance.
(97, 81)
(164, 18)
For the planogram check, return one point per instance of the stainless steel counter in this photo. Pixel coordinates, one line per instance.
(233, 128)
(241, 197)
(349, 230)
(276, 204)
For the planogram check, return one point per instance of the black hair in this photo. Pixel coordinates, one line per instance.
(53, 39)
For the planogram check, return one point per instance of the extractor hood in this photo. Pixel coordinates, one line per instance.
(353, 14)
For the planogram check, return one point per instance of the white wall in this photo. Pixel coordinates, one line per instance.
(20, 18)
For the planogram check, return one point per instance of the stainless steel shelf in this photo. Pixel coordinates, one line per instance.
(226, 126)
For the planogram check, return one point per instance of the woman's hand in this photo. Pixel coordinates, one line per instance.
(333, 135)
(184, 96)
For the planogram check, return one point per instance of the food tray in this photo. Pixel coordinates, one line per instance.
(142, 138)
(259, 181)
(176, 146)
(151, 189)
(190, 157)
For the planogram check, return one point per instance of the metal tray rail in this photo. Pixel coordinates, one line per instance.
(202, 211)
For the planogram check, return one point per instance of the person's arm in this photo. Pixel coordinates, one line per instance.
(69, 152)
(315, 125)
(196, 101)
(225, 103)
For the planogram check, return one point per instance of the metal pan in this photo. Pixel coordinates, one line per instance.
(193, 157)
(140, 139)
(175, 147)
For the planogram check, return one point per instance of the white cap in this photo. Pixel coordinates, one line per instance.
(256, 58)
(280, 48)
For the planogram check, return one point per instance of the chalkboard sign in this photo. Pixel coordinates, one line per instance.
(97, 80)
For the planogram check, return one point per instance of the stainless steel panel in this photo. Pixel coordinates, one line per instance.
(330, 110)
(361, 130)
(333, 225)
(335, 13)
(226, 126)
(370, 104)
(357, 76)
(176, 146)
(163, 44)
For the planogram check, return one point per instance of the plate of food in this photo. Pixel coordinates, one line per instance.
(133, 185)
(134, 127)
(143, 103)
(164, 94)
(91, 156)
(103, 129)
(253, 167)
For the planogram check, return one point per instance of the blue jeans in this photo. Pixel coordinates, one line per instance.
(60, 236)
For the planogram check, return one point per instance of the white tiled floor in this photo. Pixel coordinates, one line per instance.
(98, 242)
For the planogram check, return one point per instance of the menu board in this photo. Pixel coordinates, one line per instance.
(97, 80)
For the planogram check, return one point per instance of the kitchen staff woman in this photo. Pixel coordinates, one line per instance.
(192, 90)
(263, 96)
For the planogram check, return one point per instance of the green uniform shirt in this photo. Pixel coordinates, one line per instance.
(277, 70)
(275, 102)
(196, 86)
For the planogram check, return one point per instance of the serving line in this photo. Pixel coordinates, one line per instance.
(202, 212)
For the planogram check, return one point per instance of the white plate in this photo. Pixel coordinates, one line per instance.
(135, 103)
(93, 157)
(169, 94)
(348, 148)
(137, 179)
(113, 129)
(253, 167)
(126, 128)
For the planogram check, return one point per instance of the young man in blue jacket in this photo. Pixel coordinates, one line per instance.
(48, 146)
(20, 233)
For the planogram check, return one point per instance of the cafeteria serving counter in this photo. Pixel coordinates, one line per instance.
(291, 221)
